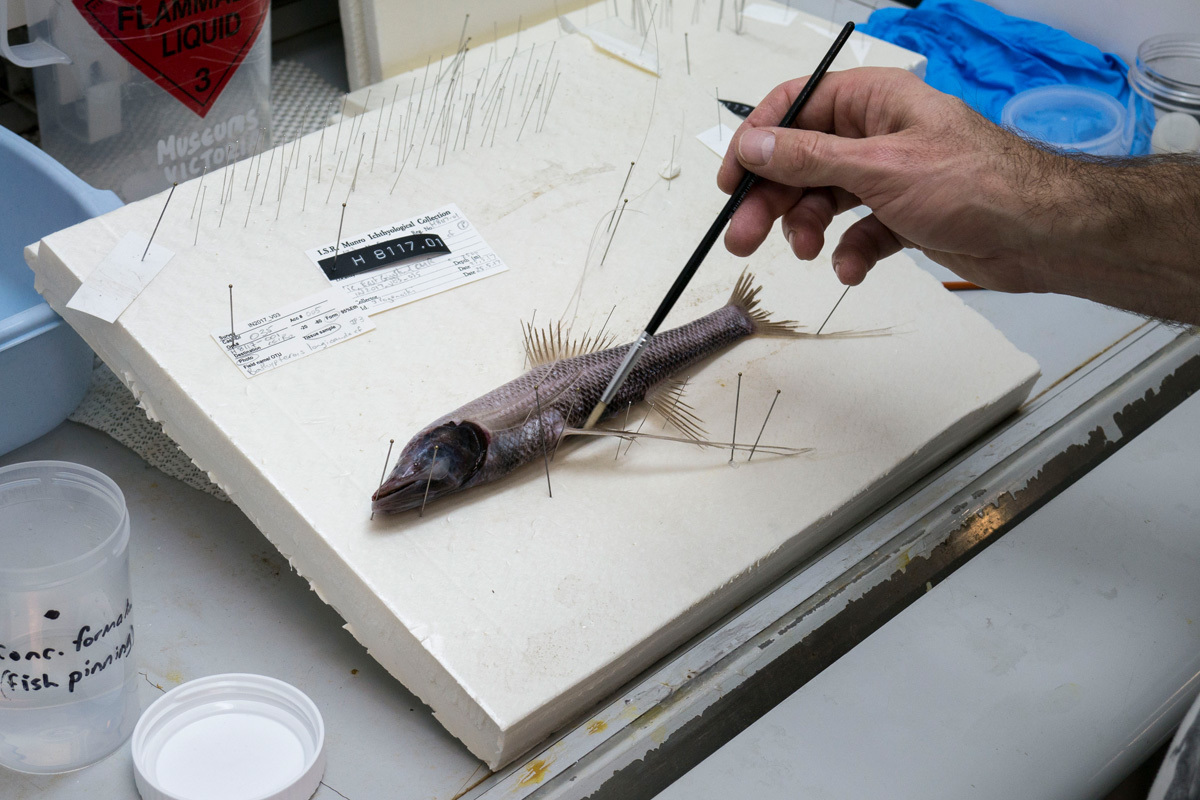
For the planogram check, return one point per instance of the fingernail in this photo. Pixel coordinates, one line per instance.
(755, 147)
(790, 235)
(837, 268)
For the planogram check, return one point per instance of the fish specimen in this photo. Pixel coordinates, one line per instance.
(524, 419)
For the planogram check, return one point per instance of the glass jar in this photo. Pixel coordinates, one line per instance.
(1166, 76)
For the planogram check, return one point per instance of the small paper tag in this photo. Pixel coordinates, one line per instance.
(623, 41)
(117, 281)
(717, 138)
(294, 331)
(776, 15)
(466, 258)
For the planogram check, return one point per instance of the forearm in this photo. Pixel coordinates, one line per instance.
(1127, 233)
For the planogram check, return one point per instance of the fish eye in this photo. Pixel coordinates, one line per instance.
(440, 469)
(461, 451)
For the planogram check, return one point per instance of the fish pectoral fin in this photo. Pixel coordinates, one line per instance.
(666, 399)
(553, 342)
(771, 449)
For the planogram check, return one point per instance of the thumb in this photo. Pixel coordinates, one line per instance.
(805, 158)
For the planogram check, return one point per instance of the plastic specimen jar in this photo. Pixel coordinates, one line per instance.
(67, 690)
(1167, 74)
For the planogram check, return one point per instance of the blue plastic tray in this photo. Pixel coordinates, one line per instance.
(44, 365)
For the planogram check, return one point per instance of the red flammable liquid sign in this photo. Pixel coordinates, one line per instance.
(190, 48)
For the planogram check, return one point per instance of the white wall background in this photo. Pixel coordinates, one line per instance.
(1115, 26)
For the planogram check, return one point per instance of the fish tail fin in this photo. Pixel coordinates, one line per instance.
(745, 299)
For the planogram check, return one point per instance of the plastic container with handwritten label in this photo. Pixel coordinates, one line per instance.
(68, 695)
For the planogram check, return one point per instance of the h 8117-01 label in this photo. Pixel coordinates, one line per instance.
(347, 263)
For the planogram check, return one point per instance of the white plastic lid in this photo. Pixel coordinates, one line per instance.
(1070, 118)
(230, 737)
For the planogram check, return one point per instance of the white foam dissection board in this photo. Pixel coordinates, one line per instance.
(509, 612)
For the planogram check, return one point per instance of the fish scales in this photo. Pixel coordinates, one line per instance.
(569, 388)
(502, 430)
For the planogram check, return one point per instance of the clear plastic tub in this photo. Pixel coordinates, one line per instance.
(1072, 118)
(1167, 74)
(66, 636)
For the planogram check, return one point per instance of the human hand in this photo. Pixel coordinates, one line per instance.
(936, 175)
(996, 209)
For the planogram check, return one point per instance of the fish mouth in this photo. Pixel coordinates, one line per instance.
(436, 462)
(403, 493)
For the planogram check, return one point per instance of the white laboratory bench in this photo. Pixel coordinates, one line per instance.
(1022, 623)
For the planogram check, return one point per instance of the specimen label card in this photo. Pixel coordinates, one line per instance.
(294, 331)
(436, 251)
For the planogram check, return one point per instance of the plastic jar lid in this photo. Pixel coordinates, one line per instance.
(1176, 132)
(230, 737)
(1070, 118)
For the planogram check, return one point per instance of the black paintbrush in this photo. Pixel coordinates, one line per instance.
(689, 269)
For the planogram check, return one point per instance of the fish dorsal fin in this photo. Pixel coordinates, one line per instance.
(667, 400)
(553, 342)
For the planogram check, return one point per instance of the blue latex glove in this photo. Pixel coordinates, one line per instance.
(985, 57)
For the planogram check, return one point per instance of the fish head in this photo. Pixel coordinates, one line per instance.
(437, 461)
